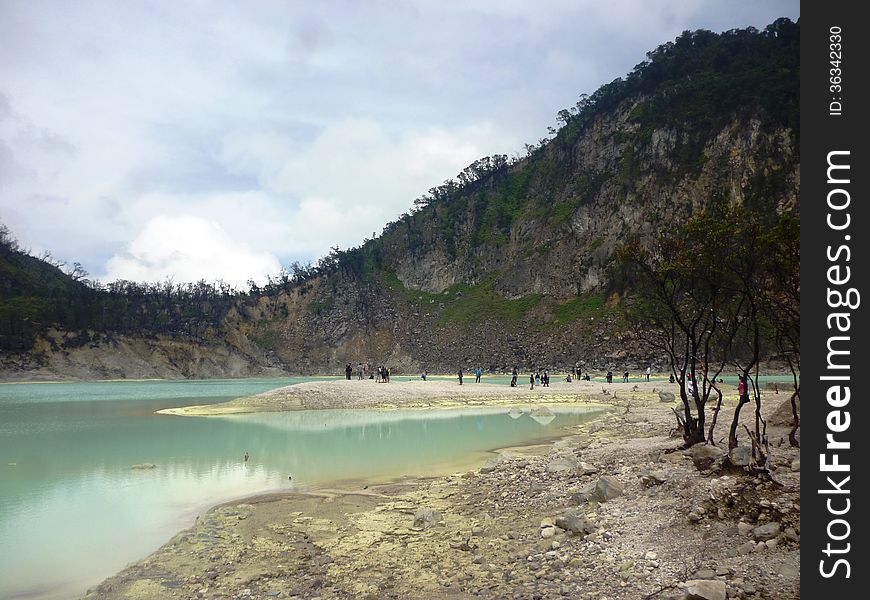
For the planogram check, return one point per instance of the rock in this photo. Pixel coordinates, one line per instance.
(705, 456)
(796, 465)
(605, 489)
(585, 468)
(576, 524)
(666, 397)
(548, 532)
(144, 466)
(650, 555)
(705, 574)
(562, 464)
(741, 456)
(426, 517)
(791, 535)
(745, 548)
(705, 589)
(765, 532)
(744, 528)
(653, 479)
(722, 487)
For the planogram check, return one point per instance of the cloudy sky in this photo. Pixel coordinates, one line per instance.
(221, 139)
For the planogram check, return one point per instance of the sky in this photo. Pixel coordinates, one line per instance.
(217, 139)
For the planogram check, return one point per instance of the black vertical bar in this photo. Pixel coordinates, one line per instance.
(834, 216)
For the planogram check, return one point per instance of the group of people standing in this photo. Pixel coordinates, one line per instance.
(381, 374)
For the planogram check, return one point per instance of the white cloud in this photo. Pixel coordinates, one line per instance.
(187, 248)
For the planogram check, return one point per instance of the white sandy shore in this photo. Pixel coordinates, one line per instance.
(342, 393)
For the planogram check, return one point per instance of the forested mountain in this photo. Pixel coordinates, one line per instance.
(511, 263)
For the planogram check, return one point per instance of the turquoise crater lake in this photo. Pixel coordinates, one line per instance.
(73, 510)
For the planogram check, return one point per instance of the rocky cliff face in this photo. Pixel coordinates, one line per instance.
(540, 294)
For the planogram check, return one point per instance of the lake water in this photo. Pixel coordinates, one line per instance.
(73, 511)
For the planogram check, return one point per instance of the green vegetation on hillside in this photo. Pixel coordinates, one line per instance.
(465, 305)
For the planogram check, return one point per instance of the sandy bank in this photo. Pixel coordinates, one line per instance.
(342, 393)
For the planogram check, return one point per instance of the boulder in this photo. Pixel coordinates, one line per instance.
(705, 589)
(426, 517)
(705, 456)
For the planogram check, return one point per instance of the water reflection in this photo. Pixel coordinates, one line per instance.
(73, 510)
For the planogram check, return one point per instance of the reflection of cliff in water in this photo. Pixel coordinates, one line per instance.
(542, 415)
(324, 420)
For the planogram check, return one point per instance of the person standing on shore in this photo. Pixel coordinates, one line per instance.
(514, 377)
(531, 381)
(648, 371)
(477, 373)
(460, 376)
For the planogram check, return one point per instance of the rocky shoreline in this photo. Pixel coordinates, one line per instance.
(607, 512)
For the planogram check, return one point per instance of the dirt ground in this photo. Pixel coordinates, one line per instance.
(609, 511)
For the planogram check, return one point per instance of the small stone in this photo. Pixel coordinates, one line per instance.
(791, 535)
(745, 548)
(744, 528)
(650, 555)
(653, 479)
(705, 574)
(426, 517)
(771, 544)
(576, 524)
(548, 532)
(741, 456)
(765, 532)
(796, 464)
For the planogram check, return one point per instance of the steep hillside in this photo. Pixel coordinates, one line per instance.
(512, 264)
